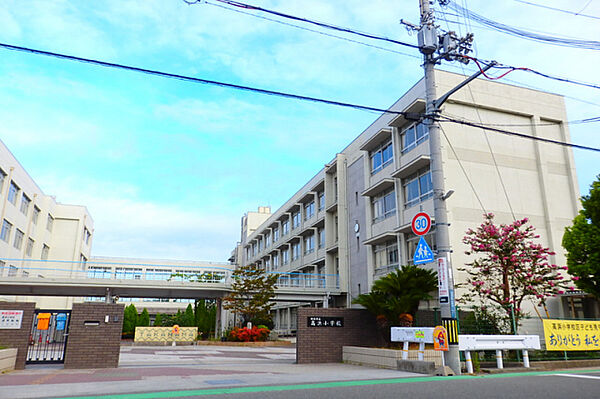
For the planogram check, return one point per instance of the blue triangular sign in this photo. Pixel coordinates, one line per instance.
(423, 254)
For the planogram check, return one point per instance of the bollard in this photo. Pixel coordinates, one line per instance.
(421, 351)
(499, 359)
(469, 362)
(525, 358)
(405, 351)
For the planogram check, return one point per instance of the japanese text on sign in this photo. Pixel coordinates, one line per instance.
(572, 335)
(11, 319)
(318, 321)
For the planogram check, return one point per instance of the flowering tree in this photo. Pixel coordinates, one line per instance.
(511, 267)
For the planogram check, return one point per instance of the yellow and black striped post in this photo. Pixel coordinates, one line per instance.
(451, 326)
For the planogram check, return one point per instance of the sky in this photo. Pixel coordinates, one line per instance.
(167, 168)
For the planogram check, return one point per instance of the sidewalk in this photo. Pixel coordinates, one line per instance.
(148, 369)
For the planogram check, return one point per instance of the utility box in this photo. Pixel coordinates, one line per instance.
(428, 39)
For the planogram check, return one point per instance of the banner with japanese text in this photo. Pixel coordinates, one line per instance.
(572, 335)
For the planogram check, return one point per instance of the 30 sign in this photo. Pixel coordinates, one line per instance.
(421, 223)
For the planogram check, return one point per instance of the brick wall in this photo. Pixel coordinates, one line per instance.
(324, 344)
(94, 346)
(18, 338)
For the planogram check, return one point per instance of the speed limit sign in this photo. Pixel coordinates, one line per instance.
(421, 223)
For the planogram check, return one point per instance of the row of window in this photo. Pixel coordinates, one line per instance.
(18, 239)
(132, 273)
(411, 137)
(276, 261)
(296, 218)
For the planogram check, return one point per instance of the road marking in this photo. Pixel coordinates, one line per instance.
(578, 376)
(275, 388)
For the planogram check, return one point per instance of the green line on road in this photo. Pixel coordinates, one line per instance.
(335, 384)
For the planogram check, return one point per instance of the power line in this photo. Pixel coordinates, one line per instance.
(442, 118)
(578, 14)
(199, 80)
(574, 122)
(312, 30)
(525, 34)
(309, 21)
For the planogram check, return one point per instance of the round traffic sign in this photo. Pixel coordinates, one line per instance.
(421, 223)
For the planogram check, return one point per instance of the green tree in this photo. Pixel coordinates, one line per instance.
(158, 320)
(582, 242)
(188, 319)
(130, 315)
(398, 293)
(206, 315)
(143, 319)
(252, 291)
(511, 267)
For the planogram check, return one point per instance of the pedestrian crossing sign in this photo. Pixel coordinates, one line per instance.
(423, 254)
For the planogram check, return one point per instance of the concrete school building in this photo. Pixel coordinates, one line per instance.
(352, 219)
(36, 229)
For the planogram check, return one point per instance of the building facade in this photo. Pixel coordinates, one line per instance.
(39, 234)
(352, 221)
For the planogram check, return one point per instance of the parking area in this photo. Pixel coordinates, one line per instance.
(152, 368)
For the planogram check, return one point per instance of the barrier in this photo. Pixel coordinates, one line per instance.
(468, 343)
(420, 335)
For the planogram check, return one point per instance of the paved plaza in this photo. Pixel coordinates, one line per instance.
(151, 369)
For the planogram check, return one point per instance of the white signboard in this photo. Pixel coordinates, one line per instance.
(442, 269)
(497, 342)
(10, 319)
(412, 334)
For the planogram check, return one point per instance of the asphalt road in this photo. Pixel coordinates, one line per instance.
(543, 385)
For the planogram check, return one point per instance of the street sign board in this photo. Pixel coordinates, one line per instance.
(412, 334)
(440, 338)
(423, 254)
(442, 272)
(421, 223)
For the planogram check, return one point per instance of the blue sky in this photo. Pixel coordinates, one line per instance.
(167, 168)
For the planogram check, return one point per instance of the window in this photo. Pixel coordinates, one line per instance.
(254, 249)
(321, 238)
(285, 227)
(45, 251)
(275, 261)
(2, 178)
(417, 187)
(295, 250)
(2, 263)
(29, 249)
(267, 240)
(248, 252)
(36, 214)
(99, 272)
(260, 241)
(295, 220)
(384, 205)
(275, 234)
(82, 261)
(128, 273)
(12, 271)
(321, 200)
(386, 255)
(309, 244)
(413, 136)
(268, 264)
(381, 157)
(13, 191)
(285, 256)
(25, 201)
(18, 243)
(309, 210)
(158, 274)
(6, 228)
(49, 222)
(86, 235)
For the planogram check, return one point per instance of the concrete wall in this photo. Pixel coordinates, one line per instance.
(324, 344)
(94, 346)
(18, 338)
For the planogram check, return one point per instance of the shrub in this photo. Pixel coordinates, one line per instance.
(246, 334)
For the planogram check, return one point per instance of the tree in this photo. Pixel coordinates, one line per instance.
(129, 320)
(398, 294)
(206, 315)
(510, 269)
(158, 320)
(188, 319)
(252, 291)
(582, 242)
(143, 319)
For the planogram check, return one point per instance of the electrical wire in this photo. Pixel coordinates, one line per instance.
(463, 170)
(312, 30)
(578, 14)
(203, 81)
(574, 122)
(525, 34)
(309, 21)
(442, 118)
